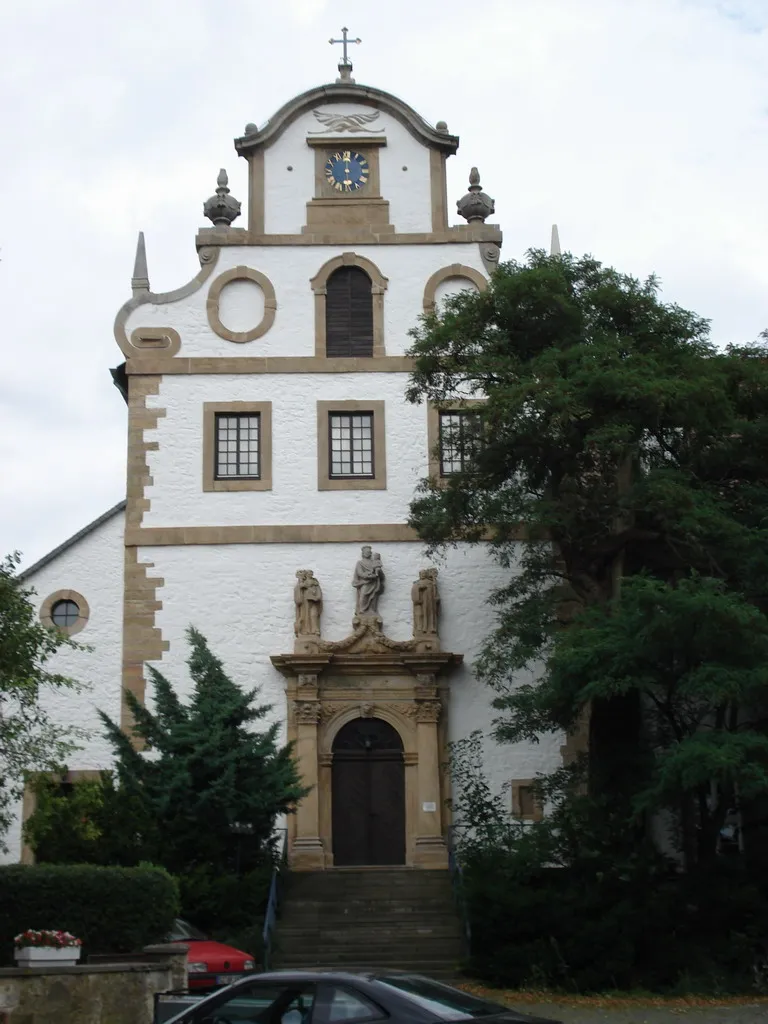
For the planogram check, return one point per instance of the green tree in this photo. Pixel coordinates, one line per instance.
(91, 821)
(211, 783)
(30, 741)
(630, 453)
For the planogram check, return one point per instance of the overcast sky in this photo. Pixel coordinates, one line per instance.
(639, 126)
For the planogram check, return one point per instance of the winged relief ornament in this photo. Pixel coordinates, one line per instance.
(344, 122)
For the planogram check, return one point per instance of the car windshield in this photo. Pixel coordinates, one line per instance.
(184, 930)
(448, 1003)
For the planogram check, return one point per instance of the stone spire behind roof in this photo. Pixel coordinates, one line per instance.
(140, 279)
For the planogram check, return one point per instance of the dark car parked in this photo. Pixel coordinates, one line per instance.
(340, 997)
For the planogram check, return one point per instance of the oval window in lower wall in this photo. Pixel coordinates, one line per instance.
(65, 610)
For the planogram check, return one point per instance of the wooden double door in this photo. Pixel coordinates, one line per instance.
(368, 794)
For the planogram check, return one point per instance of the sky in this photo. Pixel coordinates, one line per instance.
(639, 126)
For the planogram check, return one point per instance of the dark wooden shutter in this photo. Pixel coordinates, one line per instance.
(349, 313)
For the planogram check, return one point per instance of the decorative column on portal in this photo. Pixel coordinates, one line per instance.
(430, 849)
(307, 846)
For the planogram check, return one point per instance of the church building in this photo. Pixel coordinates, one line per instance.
(272, 458)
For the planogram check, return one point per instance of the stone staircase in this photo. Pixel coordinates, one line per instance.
(382, 918)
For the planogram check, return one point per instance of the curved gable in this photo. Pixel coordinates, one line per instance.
(349, 92)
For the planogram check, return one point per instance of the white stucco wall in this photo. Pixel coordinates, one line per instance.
(290, 269)
(241, 598)
(176, 467)
(452, 286)
(407, 191)
(94, 568)
(241, 305)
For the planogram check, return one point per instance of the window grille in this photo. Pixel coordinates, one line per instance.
(460, 434)
(350, 440)
(238, 446)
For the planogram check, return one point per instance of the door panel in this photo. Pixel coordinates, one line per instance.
(387, 820)
(349, 796)
(368, 795)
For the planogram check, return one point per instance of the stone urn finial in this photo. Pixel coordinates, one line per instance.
(221, 208)
(475, 205)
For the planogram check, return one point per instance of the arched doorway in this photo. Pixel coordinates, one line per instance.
(368, 794)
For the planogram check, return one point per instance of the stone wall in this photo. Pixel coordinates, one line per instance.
(115, 993)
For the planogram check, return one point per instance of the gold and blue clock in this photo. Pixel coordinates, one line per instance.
(346, 171)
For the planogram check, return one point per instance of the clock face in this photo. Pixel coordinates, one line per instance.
(346, 171)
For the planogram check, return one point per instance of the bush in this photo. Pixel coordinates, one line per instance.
(113, 910)
(213, 899)
(569, 929)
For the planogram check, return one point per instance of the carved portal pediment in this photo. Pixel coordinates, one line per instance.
(367, 637)
(367, 650)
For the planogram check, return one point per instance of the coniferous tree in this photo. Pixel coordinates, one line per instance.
(212, 782)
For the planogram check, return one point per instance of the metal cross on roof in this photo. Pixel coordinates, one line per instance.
(345, 42)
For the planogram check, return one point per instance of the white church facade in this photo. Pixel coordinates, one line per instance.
(272, 458)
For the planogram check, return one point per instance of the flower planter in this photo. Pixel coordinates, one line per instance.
(47, 956)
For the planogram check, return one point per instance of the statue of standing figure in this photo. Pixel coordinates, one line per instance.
(426, 603)
(368, 581)
(308, 598)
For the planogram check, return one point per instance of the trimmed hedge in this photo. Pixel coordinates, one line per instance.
(113, 910)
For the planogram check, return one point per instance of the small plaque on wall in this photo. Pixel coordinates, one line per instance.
(429, 807)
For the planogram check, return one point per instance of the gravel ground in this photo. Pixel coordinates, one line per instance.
(753, 1013)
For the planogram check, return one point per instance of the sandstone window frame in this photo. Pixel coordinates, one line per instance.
(319, 285)
(433, 431)
(84, 611)
(326, 482)
(454, 271)
(241, 273)
(526, 805)
(210, 412)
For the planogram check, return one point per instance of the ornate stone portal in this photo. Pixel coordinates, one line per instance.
(368, 675)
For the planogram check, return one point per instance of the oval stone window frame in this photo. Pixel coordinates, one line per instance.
(46, 610)
(214, 295)
(445, 274)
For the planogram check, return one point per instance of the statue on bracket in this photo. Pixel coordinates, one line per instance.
(308, 598)
(426, 603)
(368, 581)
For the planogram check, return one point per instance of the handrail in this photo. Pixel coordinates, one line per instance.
(457, 880)
(273, 902)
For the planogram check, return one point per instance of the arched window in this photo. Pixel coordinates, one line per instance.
(349, 313)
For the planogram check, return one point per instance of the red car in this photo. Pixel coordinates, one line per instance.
(210, 964)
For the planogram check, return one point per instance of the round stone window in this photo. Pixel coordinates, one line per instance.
(65, 613)
(65, 610)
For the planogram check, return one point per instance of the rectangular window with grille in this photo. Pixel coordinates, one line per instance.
(350, 443)
(460, 436)
(238, 446)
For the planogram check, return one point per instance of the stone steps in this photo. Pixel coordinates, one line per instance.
(387, 919)
(349, 936)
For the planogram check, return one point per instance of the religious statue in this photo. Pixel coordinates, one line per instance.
(426, 603)
(308, 598)
(368, 580)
